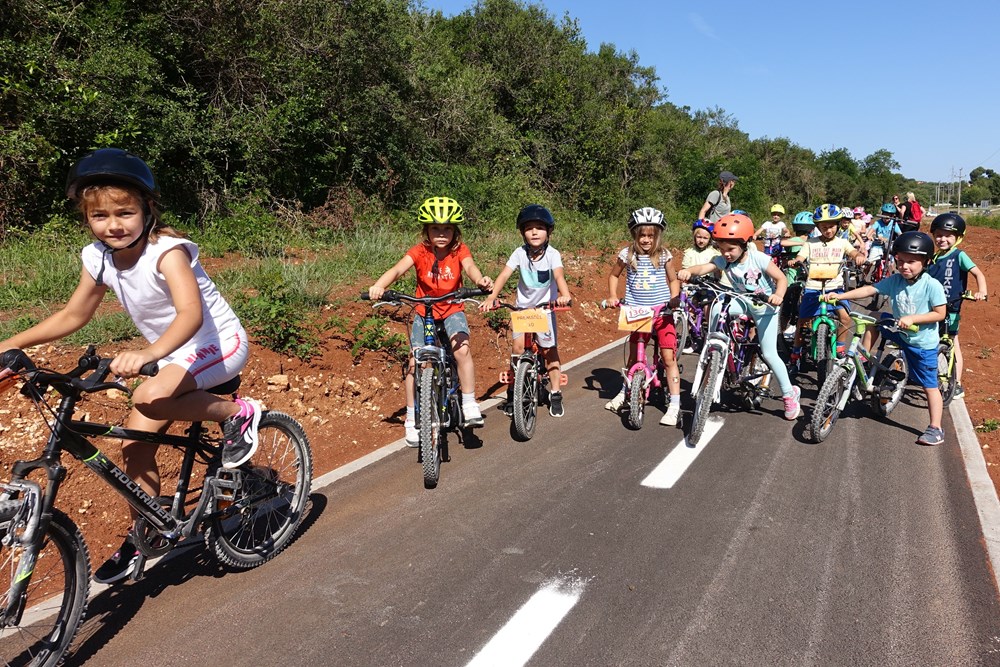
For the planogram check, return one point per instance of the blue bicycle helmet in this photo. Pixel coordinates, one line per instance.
(888, 209)
(803, 222)
(701, 223)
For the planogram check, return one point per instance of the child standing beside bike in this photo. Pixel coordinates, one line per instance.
(917, 299)
(701, 251)
(751, 271)
(825, 255)
(194, 337)
(439, 261)
(951, 267)
(541, 280)
(650, 281)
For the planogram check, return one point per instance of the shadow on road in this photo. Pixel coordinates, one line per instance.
(109, 611)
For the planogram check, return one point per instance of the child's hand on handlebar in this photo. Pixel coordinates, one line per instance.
(375, 292)
(683, 275)
(128, 364)
(906, 322)
(564, 301)
(830, 298)
(489, 304)
(610, 303)
(775, 300)
(485, 283)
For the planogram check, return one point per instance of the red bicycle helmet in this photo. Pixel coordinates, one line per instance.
(734, 227)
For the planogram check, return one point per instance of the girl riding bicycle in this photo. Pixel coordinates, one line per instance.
(541, 280)
(751, 271)
(439, 262)
(649, 281)
(194, 336)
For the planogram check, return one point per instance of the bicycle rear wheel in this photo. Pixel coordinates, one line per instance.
(525, 399)
(637, 400)
(430, 428)
(271, 499)
(890, 384)
(946, 373)
(56, 596)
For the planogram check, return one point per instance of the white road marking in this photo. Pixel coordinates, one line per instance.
(665, 475)
(518, 640)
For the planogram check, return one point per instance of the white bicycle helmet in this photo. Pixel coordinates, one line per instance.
(646, 216)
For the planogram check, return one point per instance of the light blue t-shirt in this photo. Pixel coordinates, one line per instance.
(918, 298)
(749, 275)
(537, 282)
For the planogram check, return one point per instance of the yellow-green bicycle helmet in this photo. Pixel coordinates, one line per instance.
(440, 211)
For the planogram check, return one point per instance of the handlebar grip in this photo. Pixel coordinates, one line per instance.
(364, 296)
(150, 369)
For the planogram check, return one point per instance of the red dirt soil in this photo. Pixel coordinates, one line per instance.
(350, 407)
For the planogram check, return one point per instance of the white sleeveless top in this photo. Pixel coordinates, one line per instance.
(145, 296)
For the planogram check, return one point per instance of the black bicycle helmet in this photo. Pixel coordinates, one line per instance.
(535, 213)
(109, 165)
(915, 243)
(951, 222)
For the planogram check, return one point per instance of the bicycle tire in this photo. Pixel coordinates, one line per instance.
(281, 471)
(888, 391)
(823, 354)
(946, 373)
(704, 395)
(51, 618)
(682, 329)
(525, 400)
(637, 400)
(827, 410)
(430, 429)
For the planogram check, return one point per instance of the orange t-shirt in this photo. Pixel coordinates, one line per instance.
(439, 276)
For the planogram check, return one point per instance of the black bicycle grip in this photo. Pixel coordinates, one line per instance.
(364, 296)
(150, 369)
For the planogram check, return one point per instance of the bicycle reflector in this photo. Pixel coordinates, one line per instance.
(8, 379)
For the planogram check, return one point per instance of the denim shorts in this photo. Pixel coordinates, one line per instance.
(454, 324)
(923, 363)
(809, 306)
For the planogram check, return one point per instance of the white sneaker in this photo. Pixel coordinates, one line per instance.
(616, 403)
(789, 330)
(412, 434)
(688, 350)
(472, 415)
(671, 416)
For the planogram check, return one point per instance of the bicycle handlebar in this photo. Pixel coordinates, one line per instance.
(548, 305)
(461, 294)
(713, 284)
(71, 383)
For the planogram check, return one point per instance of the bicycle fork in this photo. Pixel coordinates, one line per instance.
(716, 341)
(23, 532)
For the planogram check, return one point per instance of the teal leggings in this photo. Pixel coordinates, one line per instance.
(766, 320)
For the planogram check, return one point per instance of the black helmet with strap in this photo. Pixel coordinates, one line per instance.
(951, 222)
(535, 213)
(915, 243)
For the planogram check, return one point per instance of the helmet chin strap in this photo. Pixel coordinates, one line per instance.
(147, 227)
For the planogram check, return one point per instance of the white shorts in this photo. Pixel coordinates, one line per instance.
(212, 362)
(545, 340)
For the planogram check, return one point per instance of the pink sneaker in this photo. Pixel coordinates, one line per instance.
(792, 404)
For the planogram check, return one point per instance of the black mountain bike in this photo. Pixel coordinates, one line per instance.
(437, 396)
(247, 515)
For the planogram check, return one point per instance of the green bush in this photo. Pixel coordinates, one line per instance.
(372, 335)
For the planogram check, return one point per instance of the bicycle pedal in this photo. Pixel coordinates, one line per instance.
(507, 377)
(226, 484)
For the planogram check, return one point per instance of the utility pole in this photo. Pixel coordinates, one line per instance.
(959, 191)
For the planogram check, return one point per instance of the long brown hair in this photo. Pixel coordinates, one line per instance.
(658, 248)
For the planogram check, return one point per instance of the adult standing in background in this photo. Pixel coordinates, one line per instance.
(910, 213)
(717, 203)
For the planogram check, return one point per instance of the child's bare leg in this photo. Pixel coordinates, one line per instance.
(463, 359)
(959, 361)
(551, 355)
(844, 331)
(672, 372)
(174, 395)
(935, 406)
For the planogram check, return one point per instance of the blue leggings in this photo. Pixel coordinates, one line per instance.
(766, 320)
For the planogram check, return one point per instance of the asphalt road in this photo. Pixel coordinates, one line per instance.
(766, 550)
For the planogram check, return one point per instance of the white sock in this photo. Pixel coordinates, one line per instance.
(468, 399)
(410, 415)
(675, 399)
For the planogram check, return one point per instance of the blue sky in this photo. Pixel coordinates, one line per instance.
(918, 78)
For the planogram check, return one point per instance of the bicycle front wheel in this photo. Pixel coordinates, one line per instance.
(430, 428)
(525, 399)
(637, 399)
(681, 327)
(946, 373)
(56, 595)
(824, 355)
(271, 499)
(704, 395)
(831, 395)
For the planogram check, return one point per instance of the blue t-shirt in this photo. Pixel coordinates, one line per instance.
(886, 229)
(750, 275)
(917, 298)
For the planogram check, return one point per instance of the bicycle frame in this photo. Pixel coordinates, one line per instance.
(731, 350)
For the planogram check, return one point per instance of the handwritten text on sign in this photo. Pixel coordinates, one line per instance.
(529, 321)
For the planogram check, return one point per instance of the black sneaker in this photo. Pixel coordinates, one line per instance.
(239, 434)
(508, 407)
(118, 566)
(555, 404)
